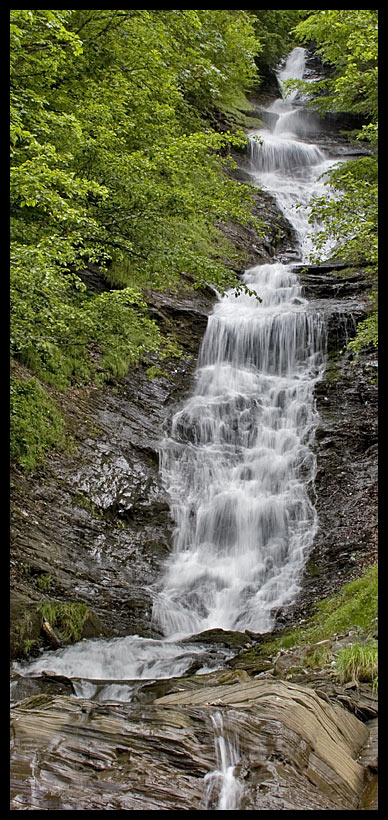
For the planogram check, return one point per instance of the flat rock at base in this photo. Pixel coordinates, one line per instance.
(296, 751)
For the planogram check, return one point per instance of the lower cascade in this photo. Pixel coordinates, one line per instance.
(237, 462)
(222, 789)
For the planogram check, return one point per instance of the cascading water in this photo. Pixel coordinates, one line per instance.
(222, 789)
(238, 463)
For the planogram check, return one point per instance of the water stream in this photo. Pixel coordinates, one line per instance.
(238, 461)
(222, 789)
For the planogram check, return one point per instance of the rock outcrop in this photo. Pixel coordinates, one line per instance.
(294, 750)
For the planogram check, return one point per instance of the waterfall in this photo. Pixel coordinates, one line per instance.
(237, 462)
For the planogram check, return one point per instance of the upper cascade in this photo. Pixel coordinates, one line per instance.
(275, 153)
(287, 165)
(294, 67)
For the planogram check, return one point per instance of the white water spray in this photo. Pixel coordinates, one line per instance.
(221, 786)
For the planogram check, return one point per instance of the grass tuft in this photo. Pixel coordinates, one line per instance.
(358, 662)
(67, 618)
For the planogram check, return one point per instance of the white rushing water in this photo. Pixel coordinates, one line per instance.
(221, 785)
(238, 463)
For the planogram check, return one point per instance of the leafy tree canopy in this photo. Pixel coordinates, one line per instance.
(113, 162)
(274, 28)
(347, 39)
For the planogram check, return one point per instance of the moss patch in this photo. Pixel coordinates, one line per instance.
(82, 500)
(66, 618)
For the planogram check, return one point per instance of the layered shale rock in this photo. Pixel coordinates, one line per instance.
(295, 750)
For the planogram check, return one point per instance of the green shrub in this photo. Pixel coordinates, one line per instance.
(36, 424)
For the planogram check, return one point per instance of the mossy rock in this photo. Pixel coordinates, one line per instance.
(26, 624)
(71, 621)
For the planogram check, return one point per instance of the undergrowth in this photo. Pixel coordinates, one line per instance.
(358, 662)
(355, 605)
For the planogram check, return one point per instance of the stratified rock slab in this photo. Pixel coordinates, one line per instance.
(321, 740)
(296, 751)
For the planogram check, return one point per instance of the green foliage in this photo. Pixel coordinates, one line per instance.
(35, 423)
(358, 662)
(155, 372)
(348, 40)
(316, 656)
(214, 50)
(113, 160)
(350, 214)
(67, 618)
(274, 31)
(119, 162)
(355, 605)
(367, 334)
(22, 631)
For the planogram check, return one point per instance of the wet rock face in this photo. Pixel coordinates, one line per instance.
(97, 524)
(293, 750)
(277, 233)
(345, 491)
(346, 481)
